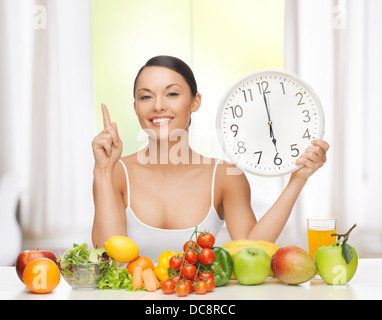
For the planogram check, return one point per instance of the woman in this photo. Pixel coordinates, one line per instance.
(159, 194)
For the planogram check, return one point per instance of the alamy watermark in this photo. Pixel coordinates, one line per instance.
(339, 12)
(39, 19)
(174, 148)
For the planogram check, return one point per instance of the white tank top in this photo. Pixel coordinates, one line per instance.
(153, 241)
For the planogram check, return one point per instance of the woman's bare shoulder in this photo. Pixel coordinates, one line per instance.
(130, 160)
(119, 176)
(231, 178)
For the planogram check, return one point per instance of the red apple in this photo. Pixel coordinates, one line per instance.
(293, 265)
(29, 255)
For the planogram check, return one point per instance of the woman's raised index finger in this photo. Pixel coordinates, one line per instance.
(106, 116)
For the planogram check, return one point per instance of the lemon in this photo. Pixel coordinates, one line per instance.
(121, 249)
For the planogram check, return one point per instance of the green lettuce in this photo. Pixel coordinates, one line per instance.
(117, 278)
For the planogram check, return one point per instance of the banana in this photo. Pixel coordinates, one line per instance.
(235, 246)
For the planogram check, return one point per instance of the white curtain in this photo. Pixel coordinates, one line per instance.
(46, 104)
(336, 46)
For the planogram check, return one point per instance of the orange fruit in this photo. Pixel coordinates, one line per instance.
(141, 261)
(41, 275)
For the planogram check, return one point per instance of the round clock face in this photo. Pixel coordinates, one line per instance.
(266, 120)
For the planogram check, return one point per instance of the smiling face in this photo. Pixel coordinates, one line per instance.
(163, 101)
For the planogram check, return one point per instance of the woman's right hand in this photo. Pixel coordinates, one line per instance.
(107, 146)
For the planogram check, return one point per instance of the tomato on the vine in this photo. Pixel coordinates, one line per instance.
(175, 263)
(189, 271)
(177, 278)
(191, 256)
(200, 287)
(208, 278)
(206, 275)
(190, 244)
(189, 283)
(186, 276)
(168, 286)
(207, 256)
(210, 284)
(206, 240)
(182, 289)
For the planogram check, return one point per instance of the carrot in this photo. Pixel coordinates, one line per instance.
(150, 279)
(156, 279)
(137, 278)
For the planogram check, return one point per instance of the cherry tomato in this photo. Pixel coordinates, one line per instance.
(182, 289)
(206, 240)
(177, 278)
(168, 286)
(189, 271)
(189, 283)
(200, 287)
(193, 244)
(191, 257)
(175, 263)
(208, 278)
(207, 256)
(210, 284)
(206, 275)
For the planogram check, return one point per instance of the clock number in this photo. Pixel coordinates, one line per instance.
(307, 116)
(263, 87)
(306, 134)
(237, 111)
(277, 160)
(299, 94)
(294, 149)
(235, 129)
(260, 153)
(245, 95)
(241, 148)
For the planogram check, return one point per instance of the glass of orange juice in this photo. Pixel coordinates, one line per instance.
(319, 233)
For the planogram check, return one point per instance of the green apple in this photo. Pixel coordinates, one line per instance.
(251, 265)
(332, 266)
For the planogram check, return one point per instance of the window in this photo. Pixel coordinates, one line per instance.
(221, 40)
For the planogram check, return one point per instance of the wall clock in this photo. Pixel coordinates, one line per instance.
(267, 119)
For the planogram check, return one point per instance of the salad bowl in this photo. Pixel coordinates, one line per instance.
(84, 268)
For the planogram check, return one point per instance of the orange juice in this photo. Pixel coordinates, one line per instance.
(318, 238)
(319, 233)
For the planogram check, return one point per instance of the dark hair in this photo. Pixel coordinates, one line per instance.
(174, 64)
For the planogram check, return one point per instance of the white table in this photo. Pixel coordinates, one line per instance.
(366, 284)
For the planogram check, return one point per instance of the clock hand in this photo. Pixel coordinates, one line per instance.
(269, 122)
(266, 107)
(272, 136)
(269, 116)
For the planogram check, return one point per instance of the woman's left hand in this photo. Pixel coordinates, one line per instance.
(313, 159)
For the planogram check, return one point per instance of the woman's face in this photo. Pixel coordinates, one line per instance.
(163, 101)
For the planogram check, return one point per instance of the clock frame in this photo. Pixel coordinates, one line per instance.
(267, 119)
